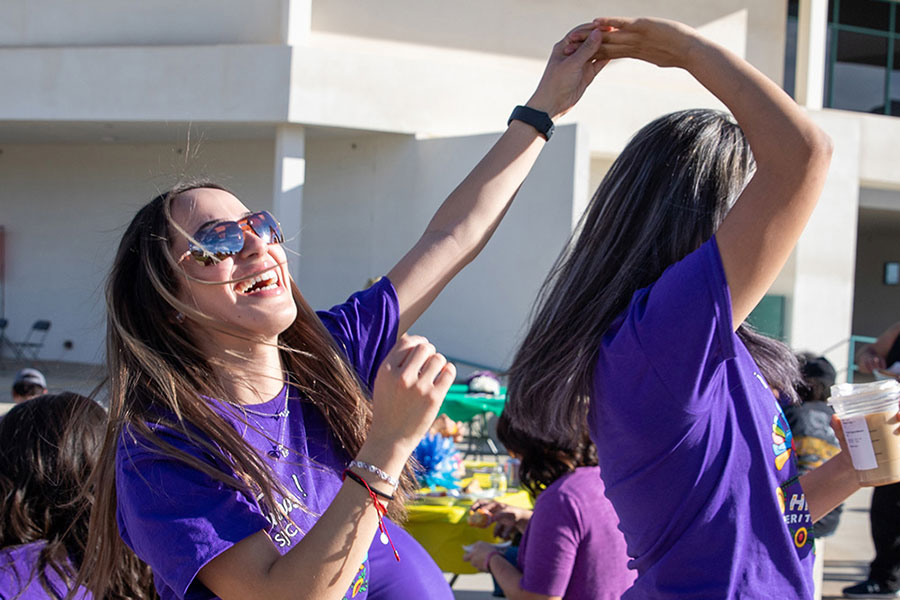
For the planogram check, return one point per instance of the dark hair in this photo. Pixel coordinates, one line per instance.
(818, 375)
(666, 194)
(159, 374)
(542, 463)
(48, 447)
(27, 390)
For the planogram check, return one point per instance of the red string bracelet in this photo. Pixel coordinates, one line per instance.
(379, 508)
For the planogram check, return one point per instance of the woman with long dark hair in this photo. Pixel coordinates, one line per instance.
(639, 331)
(251, 448)
(571, 548)
(48, 447)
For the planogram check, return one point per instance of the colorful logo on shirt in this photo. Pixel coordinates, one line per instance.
(795, 512)
(782, 440)
(801, 536)
(360, 584)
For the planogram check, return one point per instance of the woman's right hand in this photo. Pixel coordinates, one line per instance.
(410, 386)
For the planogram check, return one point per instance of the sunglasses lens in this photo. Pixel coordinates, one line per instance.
(218, 240)
(226, 238)
(266, 227)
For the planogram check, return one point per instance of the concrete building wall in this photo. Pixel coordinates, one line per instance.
(368, 199)
(405, 82)
(528, 28)
(876, 305)
(139, 23)
(65, 208)
(823, 263)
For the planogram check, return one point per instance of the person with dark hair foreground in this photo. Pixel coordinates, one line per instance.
(48, 447)
(883, 357)
(27, 384)
(571, 547)
(640, 329)
(254, 443)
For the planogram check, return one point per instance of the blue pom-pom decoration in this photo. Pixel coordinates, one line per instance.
(439, 460)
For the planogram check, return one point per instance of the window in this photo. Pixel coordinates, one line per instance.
(863, 56)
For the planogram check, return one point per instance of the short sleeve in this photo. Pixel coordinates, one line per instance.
(554, 534)
(680, 327)
(177, 519)
(365, 327)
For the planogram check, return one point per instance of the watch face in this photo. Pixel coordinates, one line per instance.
(550, 131)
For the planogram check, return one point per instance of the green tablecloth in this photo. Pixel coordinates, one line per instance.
(460, 405)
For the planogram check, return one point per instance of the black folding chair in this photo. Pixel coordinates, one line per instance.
(33, 342)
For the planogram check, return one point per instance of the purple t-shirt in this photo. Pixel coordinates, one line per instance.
(694, 449)
(19, 578)
(178, 519)
(572, 547)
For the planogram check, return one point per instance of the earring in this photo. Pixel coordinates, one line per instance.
(179, 317)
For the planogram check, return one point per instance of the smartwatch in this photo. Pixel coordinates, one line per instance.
(536, 118)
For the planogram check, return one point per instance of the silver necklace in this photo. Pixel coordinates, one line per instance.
(278, 449)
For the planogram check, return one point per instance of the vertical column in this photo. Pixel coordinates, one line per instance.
(290, 175)
(825, 257)
(812, 30)
(296, 21)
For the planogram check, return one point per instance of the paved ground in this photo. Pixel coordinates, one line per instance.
(847, 553)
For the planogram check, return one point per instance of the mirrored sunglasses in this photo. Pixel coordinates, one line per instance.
(216, 241)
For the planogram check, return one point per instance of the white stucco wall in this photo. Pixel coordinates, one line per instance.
(65, 207)
(140, 23)
(367, 200)
(824, 261)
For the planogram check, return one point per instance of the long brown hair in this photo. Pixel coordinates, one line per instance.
(48, 447)
(666, 194)
(156, 368)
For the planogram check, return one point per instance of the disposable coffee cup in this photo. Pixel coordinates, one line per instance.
(868, 414)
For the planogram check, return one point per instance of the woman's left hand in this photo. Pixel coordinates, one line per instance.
(479, 554)
(568, 75)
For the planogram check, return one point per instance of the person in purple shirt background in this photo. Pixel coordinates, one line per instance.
(252, 442)
(571, 548)
(48, 447)
(639, 332)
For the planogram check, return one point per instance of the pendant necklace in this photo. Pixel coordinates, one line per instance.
(278, 449)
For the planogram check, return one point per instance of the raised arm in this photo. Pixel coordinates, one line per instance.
(410, 386)
(792, 154)
(873, 356)
(468, 217)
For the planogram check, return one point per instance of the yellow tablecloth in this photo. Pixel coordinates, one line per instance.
(443, 530)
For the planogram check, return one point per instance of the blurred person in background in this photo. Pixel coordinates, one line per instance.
(814, 440)
(28, 383)
(879, 359)
(48, 447)
(570, 545)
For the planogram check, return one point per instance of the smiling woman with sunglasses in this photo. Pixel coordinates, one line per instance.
(251, 449)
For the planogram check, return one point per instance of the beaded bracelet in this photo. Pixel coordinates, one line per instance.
(376, 471)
